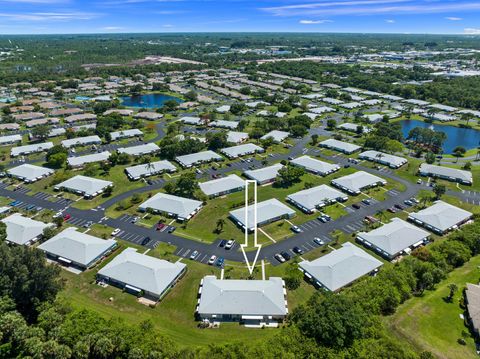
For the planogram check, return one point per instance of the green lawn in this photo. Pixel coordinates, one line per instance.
(430, 323)
(174, 315)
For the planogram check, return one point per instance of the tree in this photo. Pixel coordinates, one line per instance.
(3, 232)
(216, 140)
(430, 157)
(293, 276)
(453, 289)
(58, 221)
(40, 132)
(27, 278)
(331, 124)
(56, 156)
(220, 224)
(459, 151)
(439, 190)
(48, 232)
(335, 321)
(191, 96)
(289, 175)
(314, 139)
(238, 108)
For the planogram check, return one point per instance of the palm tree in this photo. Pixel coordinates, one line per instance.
(220, 224)
(453, 288)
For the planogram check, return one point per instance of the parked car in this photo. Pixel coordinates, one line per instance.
(212, 260)
(408, 202)
(356, 206)
(414, 200)
(88, 224)
(399, 206)
(135, 219)
(285, 255)
(322, 219)
(222, 243)
(392, 210)
(56, 215)
(160, 226)
(230, 244)
(145, 241)
(319, 241)
(295, 229)
(116, 231)
(30, 207)
(366, 201)
(297, 250)
(66, 217)
(171, 229)
(279, 258)
(220, 262)
(419, 181)
(194, 255)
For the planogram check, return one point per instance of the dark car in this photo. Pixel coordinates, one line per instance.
(285, 255)
(356, 206)
(297, 250)
(145, 241)
(160, 226)
(366, 201)
(171, 229)
(399, 206)
(222, 243)
(220, 262)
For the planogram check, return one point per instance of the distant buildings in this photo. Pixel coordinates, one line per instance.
(173, 206)
(446, 173)
(356, 182)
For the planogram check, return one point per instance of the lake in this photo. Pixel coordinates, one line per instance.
(152, 100)
(456, 136)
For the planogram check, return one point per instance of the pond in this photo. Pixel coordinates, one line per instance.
(152, 100)
(456, 136)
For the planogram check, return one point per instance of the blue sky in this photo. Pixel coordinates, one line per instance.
(110, 16)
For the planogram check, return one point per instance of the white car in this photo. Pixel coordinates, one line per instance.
(229, 244)
(194, 255)
(279, 258)
(296, 229)
(116, 231)
(212, 259)
(319, 241)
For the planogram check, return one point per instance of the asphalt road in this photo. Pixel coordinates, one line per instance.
(185, 247)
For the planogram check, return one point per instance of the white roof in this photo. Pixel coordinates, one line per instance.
(355, 182)
(236, 137)
(192, 120)
(77, 247)
(314, 165)
(266, 210)
(278, 136)
(317, 196)
(30, 173)
(140, 149)
(10, 139)
(341, 267)
(242, 297)
(193, 158)
(394, 237)
(86, 185)
(37, 147)
(179, 206)
(79, 141)
(94, 157)
(353, 127)
(226, 124)
(453, 173)
(340, 145)
(125, 133)
(264, 174)
(142, 271)
(150, 169)
(241, 150)
(221, 185)
(377, 156)
(21, 230)
(441, 215)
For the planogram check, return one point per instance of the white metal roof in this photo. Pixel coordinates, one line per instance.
(86, 185)
(140, 149)
(441, 215)
(142, 271)
(77, 247)
(341, 267)
(221, 185)
(242, 297)
(21, 230)
(94, 157)
(314, 165)
(316, 196)
(180, 206)
(30, 173)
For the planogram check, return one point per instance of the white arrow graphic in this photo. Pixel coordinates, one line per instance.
(246, 223)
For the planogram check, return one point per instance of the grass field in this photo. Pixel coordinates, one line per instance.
(174, 315)
(430, 323)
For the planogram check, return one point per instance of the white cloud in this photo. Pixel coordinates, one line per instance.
(48, 16)
(370, 7)
(311, 22)
(471, 31)
(112, 28)
(390, 21)
(452, 18)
